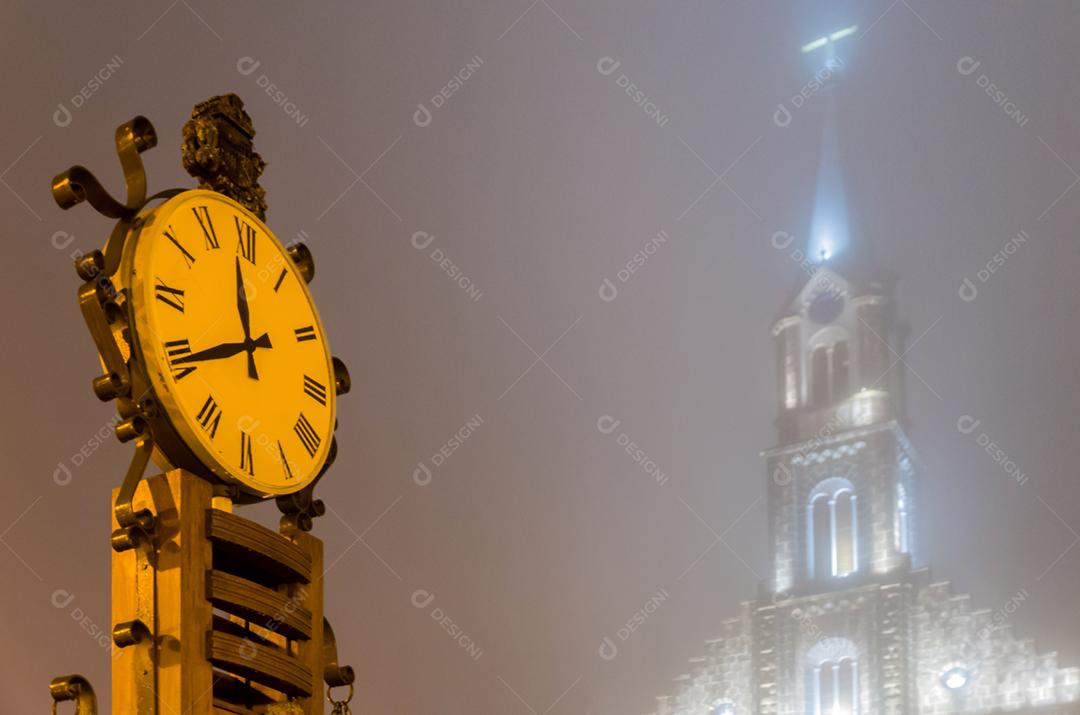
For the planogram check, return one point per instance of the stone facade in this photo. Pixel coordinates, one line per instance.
(846, 624)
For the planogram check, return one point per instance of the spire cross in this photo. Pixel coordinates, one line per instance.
(826, 39)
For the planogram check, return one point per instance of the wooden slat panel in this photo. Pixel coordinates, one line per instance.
(270, 609)
(255, 552)
(233, 695)
(184, 678)
(262, 664)
(311, 651)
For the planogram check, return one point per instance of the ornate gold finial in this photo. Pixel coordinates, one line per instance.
(218, 150)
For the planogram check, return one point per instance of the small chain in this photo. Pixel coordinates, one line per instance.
(341, 707)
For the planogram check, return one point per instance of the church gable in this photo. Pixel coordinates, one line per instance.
(720, 682)
(970, 656)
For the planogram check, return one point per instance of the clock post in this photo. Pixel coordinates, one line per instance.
(211, 612)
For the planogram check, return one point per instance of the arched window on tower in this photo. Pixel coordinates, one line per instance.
(902, 532)
(832, 678)
(830, 372)
(840, 371)
(832, 547)
(819, 377)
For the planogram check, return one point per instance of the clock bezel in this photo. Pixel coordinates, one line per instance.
(176, 438)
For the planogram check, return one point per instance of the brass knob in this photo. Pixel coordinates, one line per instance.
(129, 633)
(130, 428)
(342, 381)
(305, 262)
(90, 266)
(110, 386)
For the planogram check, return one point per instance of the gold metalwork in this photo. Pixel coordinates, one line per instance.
(341, 707)
(73, 687)
(333, 674)
(78, 184)
(218, 150)
(198, 592)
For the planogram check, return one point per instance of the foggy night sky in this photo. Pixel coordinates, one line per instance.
(540, 178)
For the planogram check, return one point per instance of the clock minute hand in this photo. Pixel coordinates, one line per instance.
(241, 302)
(226, 350)
(217, 352)
(245, 320)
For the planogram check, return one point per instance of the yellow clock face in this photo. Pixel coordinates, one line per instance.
(233, 346)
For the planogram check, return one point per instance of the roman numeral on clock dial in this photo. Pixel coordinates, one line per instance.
(246, 462)
(315, 390)
(307, 434)
(209, 416)
(284, 461)
(202, 215)
(172, 297)
(174, 350)
(305, 333)
(281, 277)
(188, 258)
(245, 239)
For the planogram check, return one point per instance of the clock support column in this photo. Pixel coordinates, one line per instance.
(211, 612)
(214, 613)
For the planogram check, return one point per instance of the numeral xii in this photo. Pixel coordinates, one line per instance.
(245, 239)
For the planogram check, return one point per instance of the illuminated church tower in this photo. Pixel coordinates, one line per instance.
(848, 622)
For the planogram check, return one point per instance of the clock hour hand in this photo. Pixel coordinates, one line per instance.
(226, 350)
(263, 341)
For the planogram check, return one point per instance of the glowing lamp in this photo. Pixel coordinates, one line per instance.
(955, 678)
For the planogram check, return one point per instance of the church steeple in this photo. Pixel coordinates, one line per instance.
(833, 339)
(832, 352)
(841, 477)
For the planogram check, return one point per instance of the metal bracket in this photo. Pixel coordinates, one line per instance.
(97, 302)
(135, 526)
(136, 532)
(333, 674)
(299, 509)
(78, 184)
(73, 687)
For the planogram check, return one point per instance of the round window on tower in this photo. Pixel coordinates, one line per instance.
(825, 306)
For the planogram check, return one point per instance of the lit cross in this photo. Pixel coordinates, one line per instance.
(826, 39)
